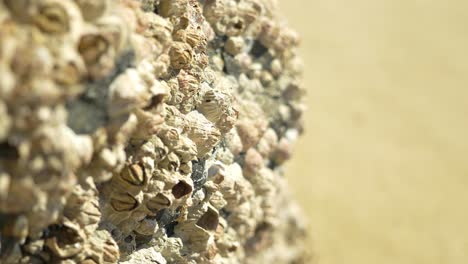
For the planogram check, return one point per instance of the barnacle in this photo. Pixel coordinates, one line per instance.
(181, 55)
(209, 220)
(123, 202)
(234, 45)
(202, 132)
(66, 240)
(158, 202)
(147, 131)
(96, 52)
(134, 174)
(52, 17)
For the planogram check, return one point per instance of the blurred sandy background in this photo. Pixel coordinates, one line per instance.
(382, 169)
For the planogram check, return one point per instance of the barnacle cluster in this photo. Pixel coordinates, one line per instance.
(147, 131)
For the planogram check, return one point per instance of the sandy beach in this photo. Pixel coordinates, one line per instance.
(382, 169)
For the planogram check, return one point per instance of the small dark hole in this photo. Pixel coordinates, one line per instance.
(170, 228)
(8, 151)
(128, 239)
(155, 101)
(258, 49)
(239, 25)
(209, 220)
(181, 189)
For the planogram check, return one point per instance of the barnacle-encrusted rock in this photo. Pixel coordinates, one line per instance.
(147, 131)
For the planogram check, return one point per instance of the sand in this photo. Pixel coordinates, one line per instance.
(382, 170)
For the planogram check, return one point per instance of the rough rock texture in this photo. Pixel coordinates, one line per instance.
(148, 131)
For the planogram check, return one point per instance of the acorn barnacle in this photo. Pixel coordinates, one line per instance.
(202, 132)
(52, 17)
(96, 52)
(157, 27)
(122, 202)
(210, 107)
(65, 240)
(214, 10)
(171, 162)
(209, 220)
(188, 84)
(158, 202)
(181, 55)
(134, 174)
(190, 36)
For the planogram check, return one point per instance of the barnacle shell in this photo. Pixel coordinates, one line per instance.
(209, 220)
(211, 106)
(181, 55)
(282, 151)
(67, 242)
(128, 92)
(96, 51)
(234, 45)
(134, 174)
(202, 132)
(190, 36)
(158, 202)
(248, 133)
(54, 16)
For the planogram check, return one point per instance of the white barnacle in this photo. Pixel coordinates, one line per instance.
(202, 132)
(211, 106)
(128, 92)
(217, 108)
(181, 55)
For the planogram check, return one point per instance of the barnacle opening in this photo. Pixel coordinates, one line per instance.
(134, 174)
(158, 202)
(123, 202)
(65, 240)
(92, 47)
(181, 189)
(8, 151)
(258, 49)
(52, 18)
(209, 220)
(155, 101)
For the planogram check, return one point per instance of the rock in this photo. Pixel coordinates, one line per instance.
(147, 131)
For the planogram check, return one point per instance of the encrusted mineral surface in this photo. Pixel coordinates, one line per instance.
(149, 131)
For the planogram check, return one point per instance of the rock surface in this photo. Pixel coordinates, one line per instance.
(147, 132)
